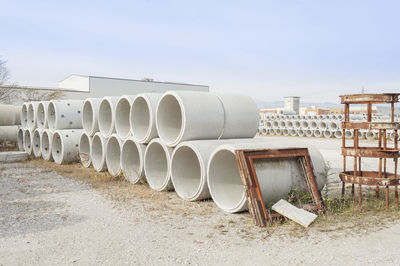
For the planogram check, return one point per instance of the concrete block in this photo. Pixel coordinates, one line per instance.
(298, 215)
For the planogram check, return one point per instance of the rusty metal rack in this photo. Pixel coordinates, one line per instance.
(380, 178)
(245, 160)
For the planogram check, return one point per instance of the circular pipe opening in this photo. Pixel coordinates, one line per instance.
(36, 143)
(122, 124)
(27, 141)
(84, 150)
(24, 115)
(45, 146)
(20, 139)
(169, 118)
(105, 118)
(57, 148)
(156, 166)
(41, 116)
(140, 118)
(113, 156)
(31, 116)
(97, 153)
(131, 161)
(51, 116)
(88, 118)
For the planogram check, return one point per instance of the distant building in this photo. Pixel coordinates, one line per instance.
(292, 103)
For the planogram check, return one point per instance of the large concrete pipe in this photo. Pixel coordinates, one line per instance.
(85, 142)
(42, 114)
(65, 145)
(20, 139)
(317, 133)
(45, 144)
(272, 131)
(278, 132)
(309, 133)
(225, 183)
(143, 117)
(334, 125)
(371, 135)
(264, 131)
(107, 116)
(64, 114)
(285, 132)
(328, 134)
(24, 115)
(293, 132)
(90, 115)
(313, 124)
(338, 134)
(301, 133)
(32, 115)
(268, 124)
(36, 142)
(10, 115)
(98, 152)
(113, 154)
(305, 124)
(297, 124)
(275, 124)
(282, 124)
(28, 141)
(122, 112)
(157, 163)
(187, 115)
(289, 124)
(132, 155)
(9, 133)
(323, 125)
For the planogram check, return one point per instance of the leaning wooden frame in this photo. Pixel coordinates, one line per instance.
(245, 160)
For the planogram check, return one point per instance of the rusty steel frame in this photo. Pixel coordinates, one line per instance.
(245, 160)
(382, 152)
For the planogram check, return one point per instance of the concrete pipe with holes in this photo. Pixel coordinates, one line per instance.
(45, 145)
(98, 152)
(20, 139)
(107, 116)
(32, 115)
(24, 115)
(28, 135)
(224, 181)
(85, 142)
(65, 145)
(90, 115)
(64, 114)
(122, 112)
(10, 115)
(42, 114)
(36, 142)
(157, 163)
(143, 117)
(113, 154)
(132, 154)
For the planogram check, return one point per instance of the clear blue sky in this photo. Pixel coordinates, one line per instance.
(267, 49)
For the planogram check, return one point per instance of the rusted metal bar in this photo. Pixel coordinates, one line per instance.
(369, 98)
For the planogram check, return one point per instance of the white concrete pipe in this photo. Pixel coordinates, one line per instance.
(10, 115)
(157, 163)
(323, 125)
(65, 145)
(45, 145)
(132, 162)
(268, 124)
(371, 135)
(98, 152)
(20, 139)
(293, 132)
(24, 115)
(285, 132)
(113, 155)
(275, 124)
(264, 131)
(309, 133)
(349, 134)
(278, 132)
(313, 124)
(225, 183)
(338, 134)
(85, 142)
(107, 116)
(9, 133)
(282, 124)
(28, 141)
(90, 115)
(301, 133)
(289, 124)
(143, 117)
(334, 125)
(64, 114)
(297, 124)
(272, 131)
(122, 112)
(328, 134)
(42, 114)
(36, 142)
(305, 124)
(32, 115)
(317, 133)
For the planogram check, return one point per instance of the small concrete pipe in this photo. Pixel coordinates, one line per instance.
(157, 163)
(113, 155)
(32, 115)
(317, 133)
(328, 134)
(264, 131)
(42, 114)
(275, 124)
(309, 133)
(349, 134)
(285, 132)
(65, 145)
(98, 151)
(122, 112)
(225, 183)
(293, 132)
(64, 114)
(24, 115)
(9, 133)
(282, 124)
(10, 115)
(313, 124)
(278, 132)
(301, 133)
(90, 115)
(85, 142)
(36, 142)
(20, 139)
(132, 154)
(297, 124)
(143, 117)
(371, 135)
(334, 125)
(305, 124)
(272, 131)
(45, 145)
(323, 125)
(338, 134)
(28, 141)
(107, 116)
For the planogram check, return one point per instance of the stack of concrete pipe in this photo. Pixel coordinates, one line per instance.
(10, 122)
(327, 126)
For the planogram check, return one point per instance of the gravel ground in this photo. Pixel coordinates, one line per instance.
(52, 215)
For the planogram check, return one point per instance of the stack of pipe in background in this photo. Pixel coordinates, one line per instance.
(10, 122)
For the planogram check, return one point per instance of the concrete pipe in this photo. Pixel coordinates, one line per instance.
(225, 183)
(85, 142)
(275, 124)
(107, 116)
(301, 133)
(317, 133)
(334, 125)
(340, 117)
(10, 115)
(371, 135)
(122, 112)
(323, 125)
(305, 124)
(28, 141)
(32, 115)
(289, 124)
(113, 154)
(278, 131)
(132, 155)
(309, 133)
(285, 132)
(9, 133)
(328, 134)
(64, 115)
(268, 124)
(282, 124)
(45, 145)
(349, 134)
(42, 114)
(24, 115)
(272, 131)
(157, 163)
(313, 124)
(297, 124)
(98, 152)
(143, 117)
(309, 117)
(20, 139)
(65, 145)
(36, 142)
(338, 134)
(264, 131)
(293, 132)
(186, 115)
(90, 115)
